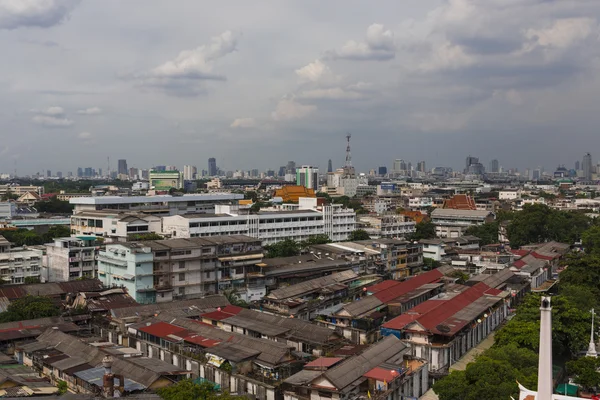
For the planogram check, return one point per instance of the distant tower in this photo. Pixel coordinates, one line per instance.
(348, 168)
(592, 346)
(122, 167)
(212, 166)
(586, 166)
(329, 166)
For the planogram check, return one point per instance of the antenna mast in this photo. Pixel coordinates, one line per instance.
(348, 163)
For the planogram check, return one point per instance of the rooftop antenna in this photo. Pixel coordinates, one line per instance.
(592, 346)
(108, 166)
(348, 163)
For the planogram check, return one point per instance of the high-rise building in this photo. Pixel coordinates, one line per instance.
(88, 172)
(586, 166)
(577, 165)
(290, 167)
(189, 172)
(308, 177)
(122, 167)
(382, 171)
(100, 172)
(281, 171)
(171, 168)
(469, 161)
(212, 166)
(159, 168)
(329, 166)
(494, 166)
(48, 173)
(397, 166)
(421, 166)
(59, 174)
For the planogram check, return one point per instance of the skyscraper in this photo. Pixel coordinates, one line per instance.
(382, 171)
(586, 166)
(212, 166)
(494, 166)
(577, 165)
(290, 167)
(122, 167)
(470, 160)
(421, 166)
(329, 166)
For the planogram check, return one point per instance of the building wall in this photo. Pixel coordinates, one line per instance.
(70, 263)
(16, 265)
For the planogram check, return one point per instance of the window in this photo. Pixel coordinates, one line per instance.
(182, 290)
(161, 254)
(181, 264)
(207, 274)
(182, 277)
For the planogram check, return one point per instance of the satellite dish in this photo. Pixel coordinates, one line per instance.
(443, 328)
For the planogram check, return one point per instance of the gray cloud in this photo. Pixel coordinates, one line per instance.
(378, 45)
(34, 13)
(52, 117)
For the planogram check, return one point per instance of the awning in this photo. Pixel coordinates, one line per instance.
(241, 258)
(129, 276)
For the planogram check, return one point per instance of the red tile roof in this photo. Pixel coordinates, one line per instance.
(414, 313)
(225, 312)
(519, 264)
(395, 291)
(544, 257)
(382, 374)
(378, 287)
(460, 202)
(323, 363)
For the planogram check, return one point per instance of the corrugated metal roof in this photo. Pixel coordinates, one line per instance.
(396, 291)
(361, 306)
(312, 285)
(163, 329)
(323, 363)
(206, 304)
(378, 287)
(353, 368)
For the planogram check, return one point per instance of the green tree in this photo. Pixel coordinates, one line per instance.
(539, 223)
(358, 234)
(461, 277)
(29, 307)
(234, 298)
(488, 233)
(430, 263)
(321, 238)
(29, 280)
(54, 206)
(22, 237)
(591, 240)
(285, 248)
(144, 236)
(188, 390)
(56, 231)
(62, 387)
(585, 370)
(424, 230)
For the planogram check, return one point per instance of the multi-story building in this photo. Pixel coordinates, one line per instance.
(586, 166)
(166, 180)
(292, 221)
(212, 167)
(163, 270)
(68, 259)
(122, 167)
(19, 190)
(420, 203)
(307, 176)
(454, 223)
(189, 172)
(114, 226)
(387, 226)
(16, 264)
(156, 205)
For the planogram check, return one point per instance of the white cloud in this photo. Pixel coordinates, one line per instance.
(446, 55)
(34, 13)
(90, 111)
(563, 33)
(378, 45)
(185, 74)
(85, 136)
(52, 117)
(288, 109)
(336, 93)
(52, 122)
(317, 72)
(243, 123)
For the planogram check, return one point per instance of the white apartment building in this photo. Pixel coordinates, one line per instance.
(387, 226)
(307, 176)
(68, 259)
(420, 203)
(509, 195)
(289, 221)
(450, 223)
(114, 226)
(16, 264)
(389, 189)
(156, 205)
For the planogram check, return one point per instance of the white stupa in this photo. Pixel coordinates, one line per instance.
(545, 384)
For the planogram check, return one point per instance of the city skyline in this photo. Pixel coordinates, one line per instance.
(403, 78)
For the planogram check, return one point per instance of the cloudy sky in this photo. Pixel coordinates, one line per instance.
(257, 83)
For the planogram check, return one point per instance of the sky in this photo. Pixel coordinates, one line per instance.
(257, 83)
